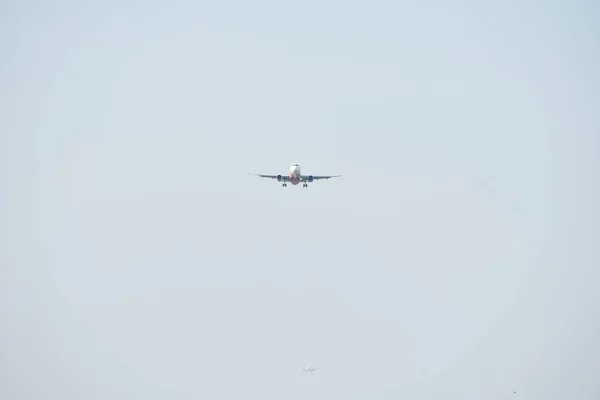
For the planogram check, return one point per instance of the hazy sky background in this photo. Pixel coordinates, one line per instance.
(456, 258)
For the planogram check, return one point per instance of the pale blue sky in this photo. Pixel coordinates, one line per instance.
(456, 258)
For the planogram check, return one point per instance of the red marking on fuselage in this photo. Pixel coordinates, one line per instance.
(294, 179)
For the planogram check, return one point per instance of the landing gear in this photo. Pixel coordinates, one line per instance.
(305, 184)
(284, 184)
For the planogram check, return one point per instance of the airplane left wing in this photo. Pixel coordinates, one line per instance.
(310, 178)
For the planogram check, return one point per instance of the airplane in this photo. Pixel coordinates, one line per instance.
(309, 369)
(295, 177)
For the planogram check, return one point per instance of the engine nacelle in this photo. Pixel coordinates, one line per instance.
(310, 178)
(279, 178)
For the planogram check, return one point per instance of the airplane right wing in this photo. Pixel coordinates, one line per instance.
(283, 178)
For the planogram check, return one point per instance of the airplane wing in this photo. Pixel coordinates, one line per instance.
(310, 178)
(283, 178)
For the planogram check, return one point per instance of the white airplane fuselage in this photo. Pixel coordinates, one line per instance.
(295, 174)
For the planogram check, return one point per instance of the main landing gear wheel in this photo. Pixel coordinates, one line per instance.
(305, 185)
(284, 184)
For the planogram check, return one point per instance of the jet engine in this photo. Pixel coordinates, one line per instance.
(279, 178)
(310, 178)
